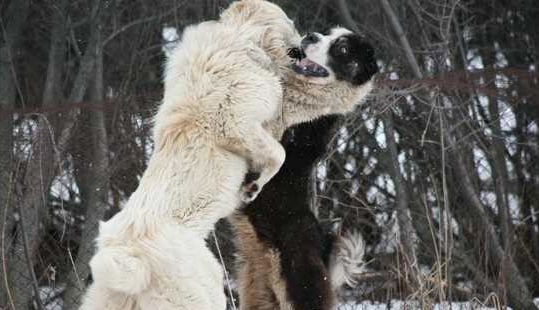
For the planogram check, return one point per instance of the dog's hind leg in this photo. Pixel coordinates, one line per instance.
(101, 298)
(303, 272)
(255, 292)
(122, 269)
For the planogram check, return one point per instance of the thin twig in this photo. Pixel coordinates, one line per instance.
(35, 284)
(3, 245)
(79, 282)
(139, 21)
(226, 272)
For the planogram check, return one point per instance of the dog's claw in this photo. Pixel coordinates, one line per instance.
(250, 188)
(249, 192)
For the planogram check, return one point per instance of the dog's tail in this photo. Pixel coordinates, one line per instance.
(346, 261)
(120, 269)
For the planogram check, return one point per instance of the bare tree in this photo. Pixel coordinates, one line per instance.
(94, 182)
(39, 176)
(48, 149)
(11, 30)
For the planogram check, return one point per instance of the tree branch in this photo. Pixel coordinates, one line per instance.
(347, 17)
(402, 38)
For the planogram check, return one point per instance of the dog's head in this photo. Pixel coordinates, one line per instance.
(265, 23)
(337, 55)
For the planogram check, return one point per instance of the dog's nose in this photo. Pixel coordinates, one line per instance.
(296, 53)
(310, 38)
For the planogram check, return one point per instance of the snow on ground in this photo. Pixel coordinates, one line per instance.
(50, 297)
(52, 300)
(412, 305)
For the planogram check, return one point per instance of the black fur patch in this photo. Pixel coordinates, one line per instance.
(251, 176)
(282, 219)
(352, 59)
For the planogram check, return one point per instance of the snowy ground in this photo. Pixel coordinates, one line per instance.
(53, 301)
(400, 305)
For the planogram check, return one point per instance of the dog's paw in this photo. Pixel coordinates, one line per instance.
(251, 177)
(249, 191)
(250, 188)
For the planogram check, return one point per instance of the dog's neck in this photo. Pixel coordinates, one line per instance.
(304, 102)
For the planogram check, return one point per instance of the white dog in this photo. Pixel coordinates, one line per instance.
(219, 120)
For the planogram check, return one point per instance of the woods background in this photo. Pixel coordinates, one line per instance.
(439, 171)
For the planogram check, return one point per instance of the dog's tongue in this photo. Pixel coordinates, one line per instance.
(306, 63)
(309, 68)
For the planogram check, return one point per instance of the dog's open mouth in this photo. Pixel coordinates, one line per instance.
(304, 66)
(308, 67)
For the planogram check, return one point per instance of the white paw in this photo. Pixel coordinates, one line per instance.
(249, 192)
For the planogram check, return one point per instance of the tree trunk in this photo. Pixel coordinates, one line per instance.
(406, 230)
(346, 16)
(395, 23)
(501, 180)
(37, 180)
(46, 155)
(94, 184)
(499, 167)
(517, 292)
(16, 13)
(403, 216)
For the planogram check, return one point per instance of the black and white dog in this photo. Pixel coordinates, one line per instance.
(287, 259)
(335, 55)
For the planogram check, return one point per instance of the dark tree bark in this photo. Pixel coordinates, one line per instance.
(10, 30)
(346, 16)
(38, 178)
(47, 152)
(94, 185)
(517, 291)
(406, 230)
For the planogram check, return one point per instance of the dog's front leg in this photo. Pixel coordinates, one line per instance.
(264, 155)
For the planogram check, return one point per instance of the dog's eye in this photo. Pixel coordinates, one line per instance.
(343, 50)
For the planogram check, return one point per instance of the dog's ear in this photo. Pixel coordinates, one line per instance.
(240, 11)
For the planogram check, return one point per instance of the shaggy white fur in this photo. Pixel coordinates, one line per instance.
(346, 261)
(222, 83)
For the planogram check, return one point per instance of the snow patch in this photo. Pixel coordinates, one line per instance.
(413, 305)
